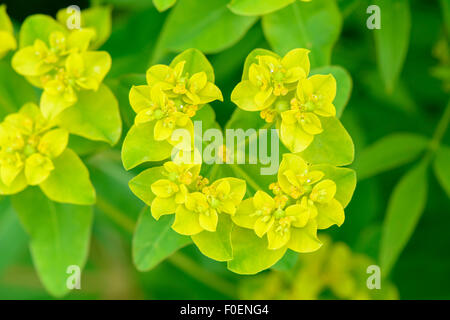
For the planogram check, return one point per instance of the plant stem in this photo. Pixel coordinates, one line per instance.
(439, 132)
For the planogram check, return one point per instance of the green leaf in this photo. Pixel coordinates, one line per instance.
(139, 146)
(140, 185)
(154, 241)
(163, 5)
(333, 146)
(392, 40)
(344, 178)
(344, 86)
(195, 62)
(250, 253)
(95, 116)
(257, 7)
(15, 91)
(59, 236)
(69, 181)
(185, 27)
(97, 18)
(216, 245)
(389, 152)
(441, 166)
(38, 26)
(312, 25)
(405, 207)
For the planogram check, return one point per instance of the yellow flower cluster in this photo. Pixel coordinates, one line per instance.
(303, 202)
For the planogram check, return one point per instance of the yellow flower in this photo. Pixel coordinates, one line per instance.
(28, 143)
(286, 225)
(314, 194)
(152, 104)
(173, 190)
(314, 99)
(225, 194)
(7, 40)
(185, 89)
(269, 79)
(62, 66)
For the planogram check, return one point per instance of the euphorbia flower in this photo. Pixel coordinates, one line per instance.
(7, 40)
(313, 193)
(313, 99)
(173, 190)
(159, 108)
(270, 79)
(188, 91)
(201, 209)
(285, 225)
(28, 143)
(62, 66)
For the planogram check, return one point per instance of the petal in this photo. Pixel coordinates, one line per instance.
(263, 224)
(53, 105)
(324, 191)
(245, 214)
(314, 176)
(158, 73)
(197, 81)
(263, 200)
(164, 188)
(27, 62)
(54, 142)
(75, 65)
(209, 221)
(324, 85)
(301, 215)
(295, 138)
(11, 169)
(305, 239)
(243, 96)
(163, 206)
(140, 98)
(311, 123)
(37, 168)
(276, 239)
(297, 58)
(186, 222)
(329, 214)
(325, 109)
(210, 93)
(97, 65)
(262, 97)
(80, 38)
(289, 117)
(162, 132)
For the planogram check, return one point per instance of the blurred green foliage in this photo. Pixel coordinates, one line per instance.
(397, 115)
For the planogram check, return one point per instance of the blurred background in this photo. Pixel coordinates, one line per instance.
(414, 104)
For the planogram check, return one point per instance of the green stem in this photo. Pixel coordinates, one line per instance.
(439, 132)
(178, 259)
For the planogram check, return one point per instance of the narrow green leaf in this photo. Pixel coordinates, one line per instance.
(405, 207)
(69, 181)
(185, 27)
(139, 146)
(441, 166)
(392, 40)
(257, 7)
(312, 25)
(344, 86)
(389, 152)
(95, 116)
(250, 253)
(154, 241)
(59, 234)
(333, 146)
(216, 245)
(163, 5)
